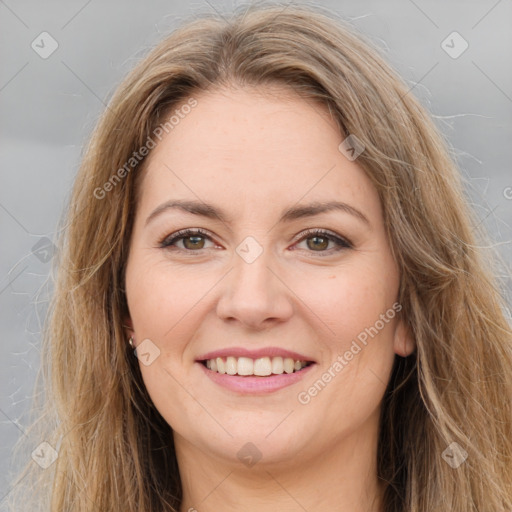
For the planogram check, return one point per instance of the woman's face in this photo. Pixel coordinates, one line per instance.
(255, 291)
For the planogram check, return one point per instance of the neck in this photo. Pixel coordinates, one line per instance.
(342, 478)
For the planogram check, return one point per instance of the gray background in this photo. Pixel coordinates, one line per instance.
(48, 108)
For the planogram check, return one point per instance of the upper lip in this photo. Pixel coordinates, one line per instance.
(255, 354)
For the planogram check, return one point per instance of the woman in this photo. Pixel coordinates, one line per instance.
(269, 293)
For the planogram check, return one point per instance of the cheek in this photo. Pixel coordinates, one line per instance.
(349, 301)
(162, 299)
(161, 302)
(358, 305)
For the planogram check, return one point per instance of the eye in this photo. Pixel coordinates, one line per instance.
(319, 239)
(193, 239)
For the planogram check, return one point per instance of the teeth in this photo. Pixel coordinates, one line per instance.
(277, 365)
(288, 365)
(262, 366)
(231, 366)
(245, 366)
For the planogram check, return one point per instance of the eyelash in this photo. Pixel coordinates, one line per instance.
(342, 243)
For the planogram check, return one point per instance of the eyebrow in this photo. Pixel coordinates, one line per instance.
(296, 212)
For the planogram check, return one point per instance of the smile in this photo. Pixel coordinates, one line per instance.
(261, 367)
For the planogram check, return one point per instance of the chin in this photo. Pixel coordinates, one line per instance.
(268, 439)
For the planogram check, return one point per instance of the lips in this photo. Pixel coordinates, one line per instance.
(265, 362)
(255, 385)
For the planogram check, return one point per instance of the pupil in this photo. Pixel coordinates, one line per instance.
(322, 245)
(194, 240)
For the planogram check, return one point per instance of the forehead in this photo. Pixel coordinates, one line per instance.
(262, 147)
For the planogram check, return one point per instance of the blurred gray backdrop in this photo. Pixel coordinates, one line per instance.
(61, 61)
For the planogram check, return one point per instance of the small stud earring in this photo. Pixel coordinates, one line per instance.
(130, 341)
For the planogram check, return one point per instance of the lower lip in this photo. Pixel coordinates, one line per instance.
(256, 385)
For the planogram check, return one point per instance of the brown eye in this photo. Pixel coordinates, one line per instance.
(196, 242)
(317, 240)
(193, 240)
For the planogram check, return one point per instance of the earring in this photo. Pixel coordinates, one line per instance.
(130, 341)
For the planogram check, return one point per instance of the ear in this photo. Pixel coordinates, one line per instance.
(403, 342)
(128, 326)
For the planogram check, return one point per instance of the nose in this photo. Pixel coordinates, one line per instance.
(254, 294)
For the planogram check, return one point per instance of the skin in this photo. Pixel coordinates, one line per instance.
(253, 153)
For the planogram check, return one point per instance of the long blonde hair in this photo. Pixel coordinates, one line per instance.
(115, 451)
